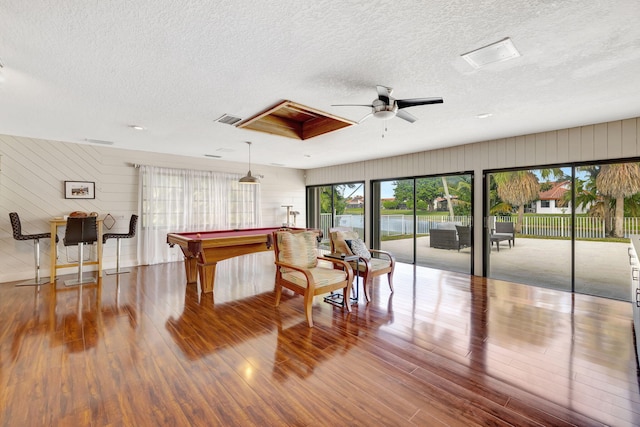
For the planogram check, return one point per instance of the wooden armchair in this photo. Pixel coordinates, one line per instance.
(372, 262)
(297, 269)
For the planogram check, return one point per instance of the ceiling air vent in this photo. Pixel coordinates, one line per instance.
(227, 119)
(502, 50)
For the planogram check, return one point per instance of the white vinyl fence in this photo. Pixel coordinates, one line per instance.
(543, 226)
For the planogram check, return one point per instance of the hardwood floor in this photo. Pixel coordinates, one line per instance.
(444, 349)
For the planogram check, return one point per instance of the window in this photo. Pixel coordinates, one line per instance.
(175, 200)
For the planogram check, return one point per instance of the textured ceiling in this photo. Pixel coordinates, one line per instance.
(77, 70)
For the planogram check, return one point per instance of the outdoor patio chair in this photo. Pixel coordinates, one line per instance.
(371, 263)
(464, 236)
(506, 228)
(297, 269)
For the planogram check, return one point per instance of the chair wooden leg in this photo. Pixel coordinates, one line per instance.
(346, 300)
(278, 293)
(366, 284)
(390, 276)
(308, 308)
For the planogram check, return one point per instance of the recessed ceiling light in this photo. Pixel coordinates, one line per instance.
(495, 52)
(484, 115)
(137, 127)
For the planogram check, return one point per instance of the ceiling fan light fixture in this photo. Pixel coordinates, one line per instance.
(248, 178)
(384, 114)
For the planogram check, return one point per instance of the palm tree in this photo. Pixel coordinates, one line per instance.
(587, 195)
(619, 181)
(517, 188)
(445, 187)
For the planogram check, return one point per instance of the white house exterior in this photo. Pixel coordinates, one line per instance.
(552, 201)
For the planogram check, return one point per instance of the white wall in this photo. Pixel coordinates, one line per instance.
(612, 140)
(32, 172)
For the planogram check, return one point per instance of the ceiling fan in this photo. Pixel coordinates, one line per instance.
(385, 107)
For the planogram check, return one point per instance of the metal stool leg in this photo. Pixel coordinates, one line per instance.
(117, 270)
(38, 280)
(79, 280)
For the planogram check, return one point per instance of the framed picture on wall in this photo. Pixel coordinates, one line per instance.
(79, 190)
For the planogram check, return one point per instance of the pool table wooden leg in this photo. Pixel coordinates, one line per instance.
(207, 273)
(191, 268)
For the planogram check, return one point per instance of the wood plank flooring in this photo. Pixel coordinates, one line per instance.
(445, 349)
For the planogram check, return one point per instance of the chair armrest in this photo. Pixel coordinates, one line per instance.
(345, 265)
(305, 271)
(389, 255)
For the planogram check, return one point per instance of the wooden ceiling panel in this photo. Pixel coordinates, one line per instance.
(293, 120)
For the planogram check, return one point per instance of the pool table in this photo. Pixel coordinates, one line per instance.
(202, 250)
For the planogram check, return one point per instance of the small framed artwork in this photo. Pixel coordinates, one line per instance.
(79, 190)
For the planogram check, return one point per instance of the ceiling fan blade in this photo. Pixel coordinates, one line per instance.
(384, 93)
(404, 103)
(365, 118)
(405, 116)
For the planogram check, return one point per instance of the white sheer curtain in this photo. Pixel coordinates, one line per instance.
(176, 200)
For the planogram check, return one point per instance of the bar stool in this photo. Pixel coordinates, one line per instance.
(80, 231)
(17, 234)
(133, 222)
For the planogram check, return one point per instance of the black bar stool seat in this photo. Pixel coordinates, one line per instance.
(17, 234)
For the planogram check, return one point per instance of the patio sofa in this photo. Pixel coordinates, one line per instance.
(445, 236)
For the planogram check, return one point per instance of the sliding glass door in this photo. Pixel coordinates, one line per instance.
(426, 220)
(444, 222)
(337, 205)
(528, 227)
(394, 218)
(571, 226)
(607, 200)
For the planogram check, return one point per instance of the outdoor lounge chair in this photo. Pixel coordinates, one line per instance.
(464, 236)
(506, 228)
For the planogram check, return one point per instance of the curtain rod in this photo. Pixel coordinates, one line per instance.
(137, 166)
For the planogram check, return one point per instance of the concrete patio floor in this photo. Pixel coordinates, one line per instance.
(602, 268)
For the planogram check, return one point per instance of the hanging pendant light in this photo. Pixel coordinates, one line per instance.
(248, 178)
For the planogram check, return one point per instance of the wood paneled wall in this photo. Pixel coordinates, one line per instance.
(32, 172)
(612, 140)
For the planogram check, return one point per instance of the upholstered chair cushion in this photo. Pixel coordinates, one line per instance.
(298, 249)
(321, 277)
(376, 264)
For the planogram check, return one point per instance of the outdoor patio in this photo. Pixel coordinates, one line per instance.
(602, 268)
